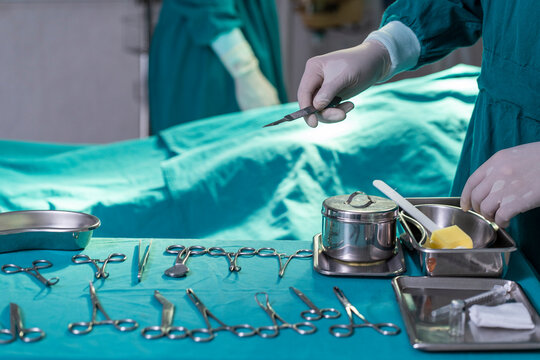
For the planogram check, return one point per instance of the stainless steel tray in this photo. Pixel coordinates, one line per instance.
(418, 296)
(485, 262)
(327, 265)
(45, 229)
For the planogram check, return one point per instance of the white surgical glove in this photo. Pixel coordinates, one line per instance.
(507, 184)
(252, 89)
(346, 73)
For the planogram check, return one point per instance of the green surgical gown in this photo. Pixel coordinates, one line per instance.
(187, 81)
(507, 111)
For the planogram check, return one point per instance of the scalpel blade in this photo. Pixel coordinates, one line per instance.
(304, 112)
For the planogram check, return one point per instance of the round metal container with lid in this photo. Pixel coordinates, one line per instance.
(359, 227)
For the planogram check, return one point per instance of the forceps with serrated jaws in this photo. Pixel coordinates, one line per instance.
(100, 271)
(232, 256)
(84, 327)
(268, 251)
(303, 328)
(208, 333)
(314, 313)
(17, 329)
(36, 265)
(346, 330)
(166, 328)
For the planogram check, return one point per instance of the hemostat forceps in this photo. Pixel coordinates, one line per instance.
(314, 313)
(84, 327)
(36, 265)
(303, 328)
(345, 330)
(208, 333)
(267, 251)
(17, 329)
(232, 256)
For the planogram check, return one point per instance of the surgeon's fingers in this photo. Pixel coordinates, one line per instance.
(336, 114)
(309, 84)
(489, 206)
(506, 211)
(470, 185)
(479, 194)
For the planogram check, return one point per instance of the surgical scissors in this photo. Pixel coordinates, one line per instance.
(242, 330)
(166, 328)
(17, 329)
(36, 265)
(268, 251)
(179, 269)
(314, 313)
(87, 326)
(232, 256)
(100, 272)
(346, 330)
(303, 328)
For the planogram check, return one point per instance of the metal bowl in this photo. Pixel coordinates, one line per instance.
(482, 232)
(45, 229)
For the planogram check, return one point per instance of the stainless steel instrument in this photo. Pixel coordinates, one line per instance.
(232, 256)
(268, 251)
(179, 269)
(100, 271)
(84, 327)
(304, 112)
(165, 329)
(314, 313)
(17, 329)
(36, 265)
(303, 328)
(346, 330)
(142, 262)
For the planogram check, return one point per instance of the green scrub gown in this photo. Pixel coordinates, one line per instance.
(507, 111)
(187, 81)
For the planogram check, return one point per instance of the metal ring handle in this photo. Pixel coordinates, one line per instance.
(356, 193)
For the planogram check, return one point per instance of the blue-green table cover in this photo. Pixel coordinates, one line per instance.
(230, 296)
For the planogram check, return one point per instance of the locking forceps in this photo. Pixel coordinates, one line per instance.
(232, 256)
(314, 313)
(166, 328)
(268, 251)
(84, 327)
(346, 330)
(100, 271)
(17, 329)
(36, 265)
(208, 333)
(270, 331)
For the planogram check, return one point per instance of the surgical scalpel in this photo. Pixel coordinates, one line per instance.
(304, 112)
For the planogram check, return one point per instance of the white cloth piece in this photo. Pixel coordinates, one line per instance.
(507, 316)
(402, 45)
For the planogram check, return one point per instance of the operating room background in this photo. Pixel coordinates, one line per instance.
(74, 71)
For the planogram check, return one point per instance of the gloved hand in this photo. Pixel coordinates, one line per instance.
(505, 185)
(252, 89)
(343, 73)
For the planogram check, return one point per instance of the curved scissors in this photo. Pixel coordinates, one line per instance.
(179, 269)
(303, 328)
(17, 329)
(268, 251)
(232, 256)
(314, 313)
(36, 265)
(208, 333)
(84, 327)
(100, 271)
(345, 330)
(166, 328)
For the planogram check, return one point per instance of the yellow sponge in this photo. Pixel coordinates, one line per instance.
(450, 238)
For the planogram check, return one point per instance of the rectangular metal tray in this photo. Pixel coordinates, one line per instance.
(418, 296)
(487, 262)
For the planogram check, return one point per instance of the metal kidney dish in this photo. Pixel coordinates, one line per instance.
(359, 227)
(45, 229)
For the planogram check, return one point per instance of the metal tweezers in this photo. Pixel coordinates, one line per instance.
(304, 112)
(142, 262)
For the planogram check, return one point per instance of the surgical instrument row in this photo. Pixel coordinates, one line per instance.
(36, 265)
(180, 269)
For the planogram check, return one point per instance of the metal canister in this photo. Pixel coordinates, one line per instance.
(359, 227)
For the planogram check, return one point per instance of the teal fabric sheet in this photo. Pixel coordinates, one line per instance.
(226, 177)
(229, 296)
